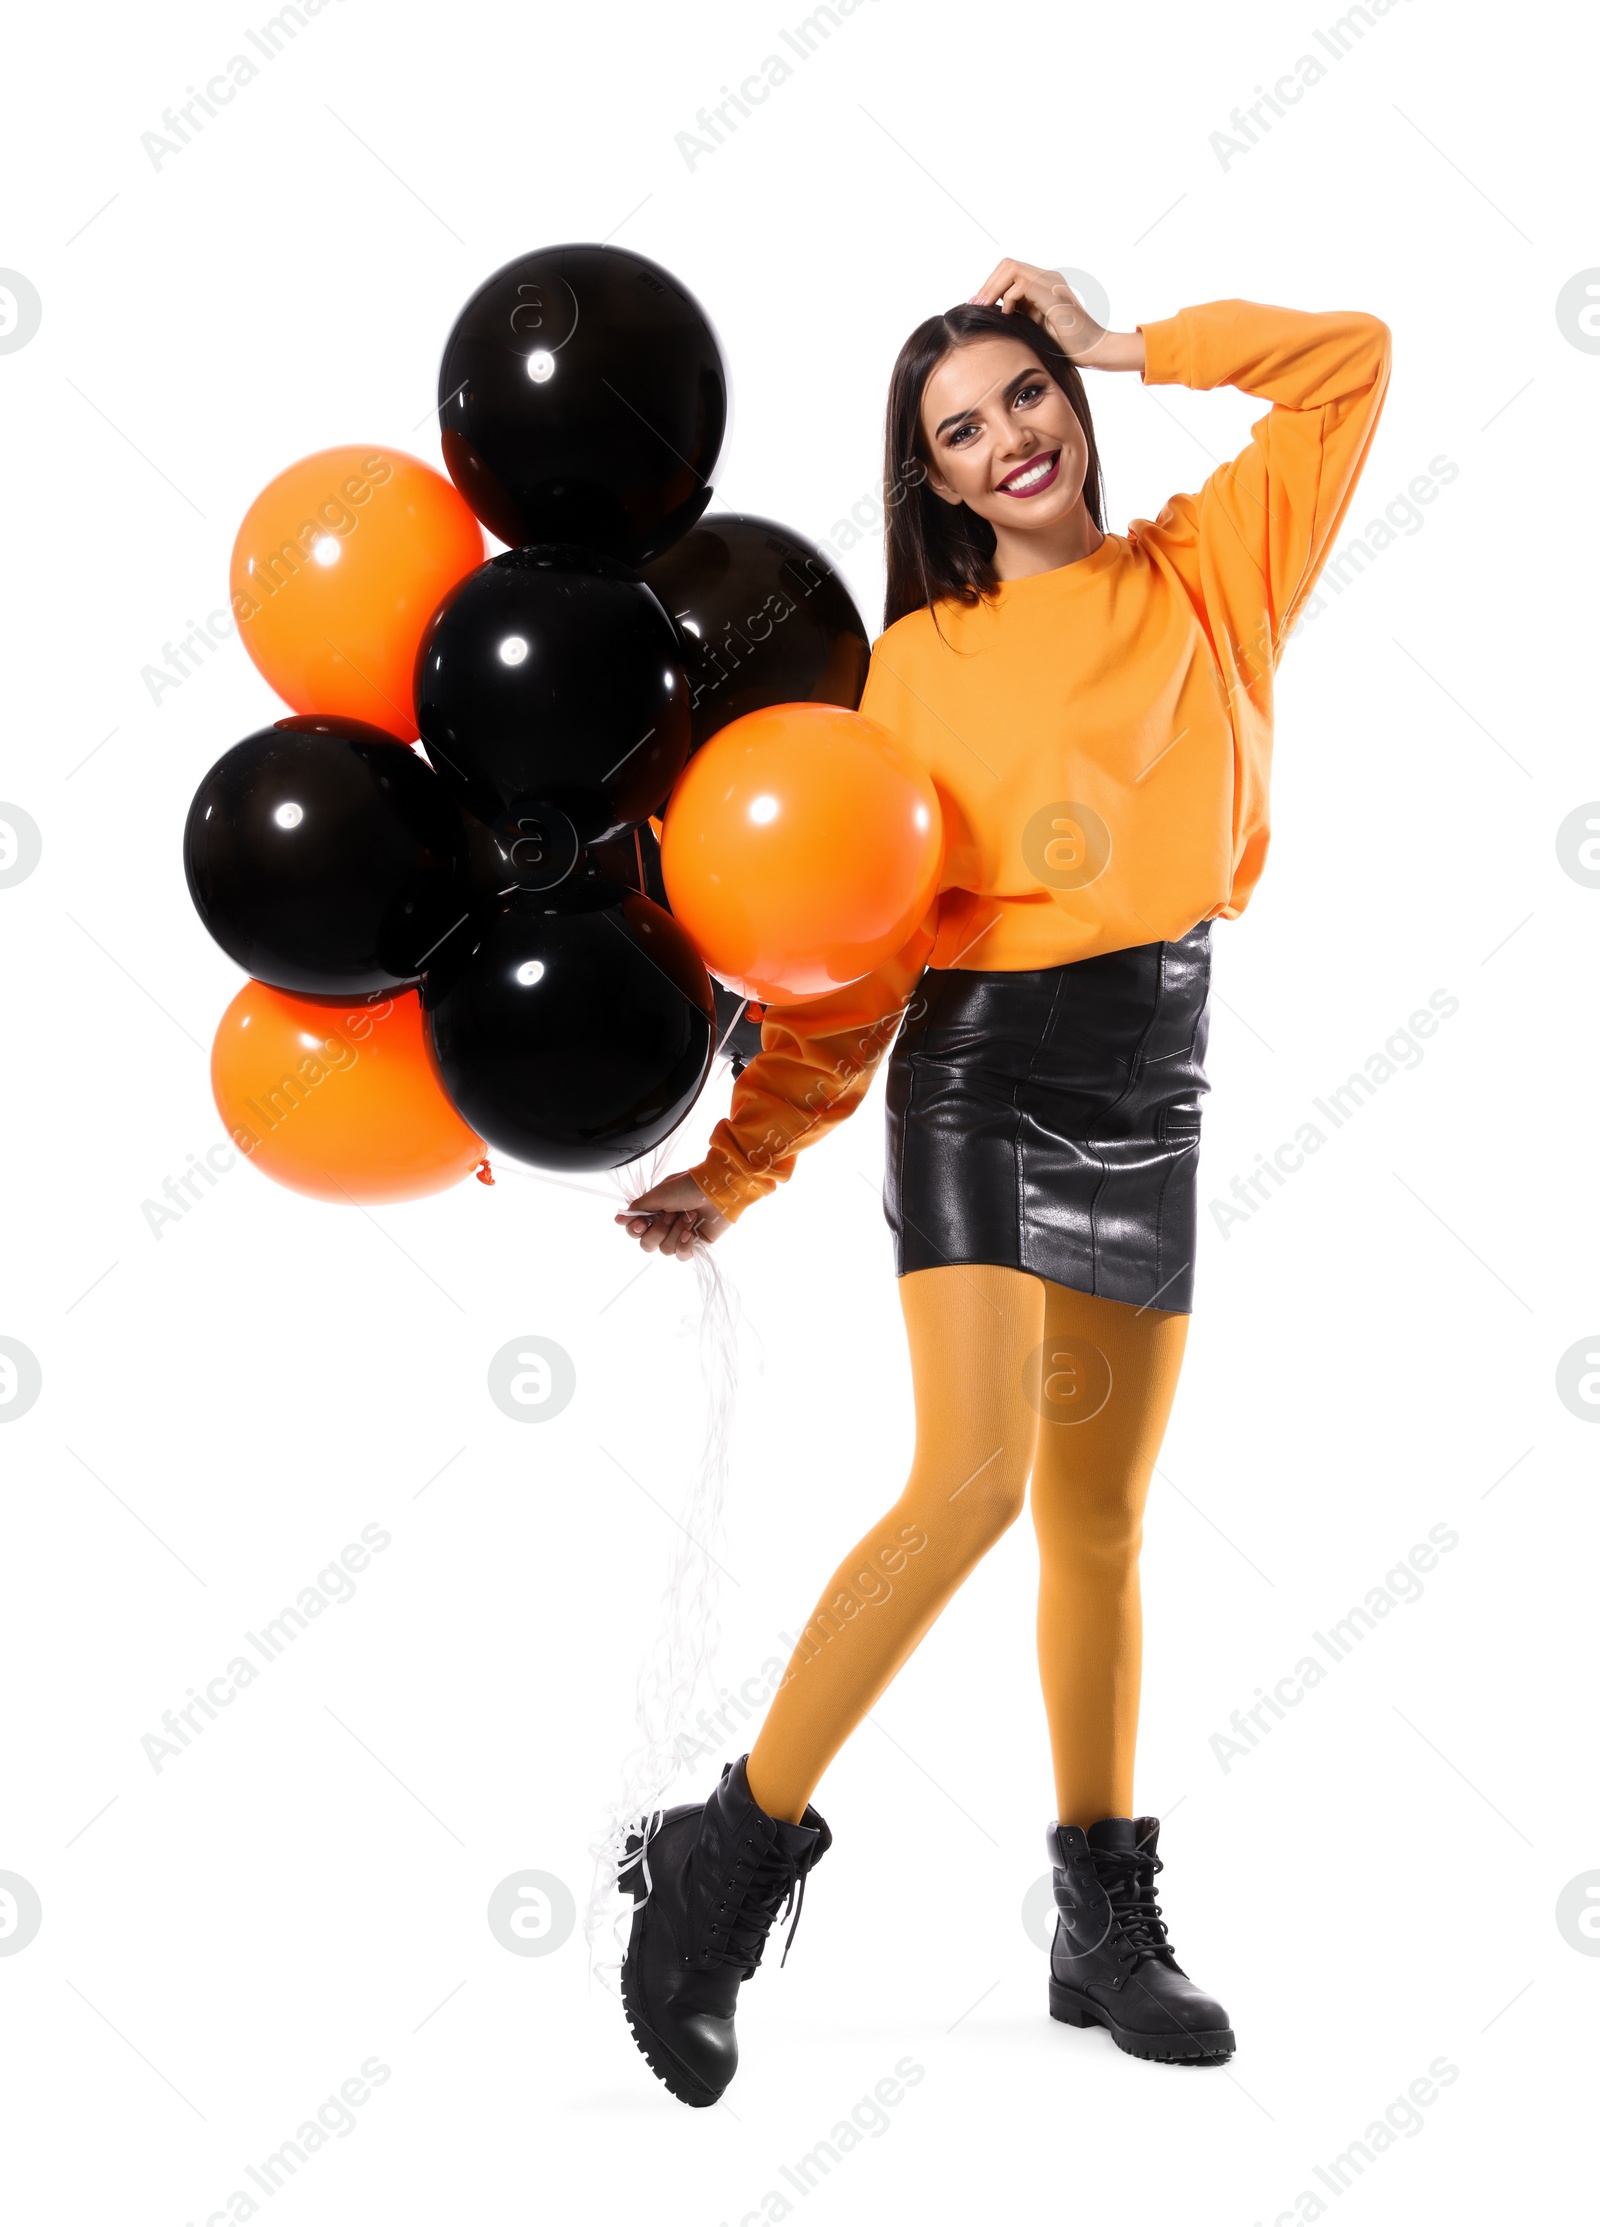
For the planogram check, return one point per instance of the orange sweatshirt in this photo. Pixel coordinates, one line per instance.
(1101, 735)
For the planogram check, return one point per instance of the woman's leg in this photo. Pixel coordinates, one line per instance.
(1106, 1391)
(973, 1332)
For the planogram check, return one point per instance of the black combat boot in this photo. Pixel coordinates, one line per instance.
(1111, 1964)
(706, 1886)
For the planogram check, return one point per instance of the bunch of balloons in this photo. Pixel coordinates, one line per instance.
(482, 942)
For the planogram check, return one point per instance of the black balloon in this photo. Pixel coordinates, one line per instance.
(572, 1030)
(550, 691)
(582, 397)
(325, 857)
(763, 618)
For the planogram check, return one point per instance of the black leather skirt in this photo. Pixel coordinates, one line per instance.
(1049, 1121)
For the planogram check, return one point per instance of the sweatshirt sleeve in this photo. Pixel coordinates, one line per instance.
(814, 1067)
(1249, 546)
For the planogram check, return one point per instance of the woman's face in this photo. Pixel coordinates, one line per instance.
(1002, 437)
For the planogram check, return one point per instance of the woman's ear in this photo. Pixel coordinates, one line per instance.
(942, 488)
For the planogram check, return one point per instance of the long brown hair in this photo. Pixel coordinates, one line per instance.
(934, 549)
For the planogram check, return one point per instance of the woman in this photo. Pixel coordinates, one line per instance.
(1096, 712)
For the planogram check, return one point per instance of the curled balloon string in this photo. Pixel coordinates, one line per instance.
(680, 1661)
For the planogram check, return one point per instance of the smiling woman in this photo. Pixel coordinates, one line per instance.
(1095, 711)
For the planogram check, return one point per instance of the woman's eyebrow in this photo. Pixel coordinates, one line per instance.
(1032, 372)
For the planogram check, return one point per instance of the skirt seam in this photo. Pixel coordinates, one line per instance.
(1017, 1088)
(909, 1062)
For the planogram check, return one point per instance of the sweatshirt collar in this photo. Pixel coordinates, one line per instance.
(1111, 550)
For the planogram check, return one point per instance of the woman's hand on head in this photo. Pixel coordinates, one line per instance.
(1046, 297)
(670, 1216)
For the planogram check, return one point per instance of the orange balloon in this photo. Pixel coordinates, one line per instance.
(342, 1102)
(802, 848)
(337, 569)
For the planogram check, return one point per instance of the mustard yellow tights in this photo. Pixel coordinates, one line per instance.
(1013, 1378)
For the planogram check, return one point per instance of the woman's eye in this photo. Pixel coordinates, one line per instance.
(958, 437)
(1026, 394)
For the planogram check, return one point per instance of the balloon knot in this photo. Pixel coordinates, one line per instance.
(483, 1171)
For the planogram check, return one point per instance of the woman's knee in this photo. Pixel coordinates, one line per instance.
(989, 1500)
(1103, 1536)
(1112, 1547)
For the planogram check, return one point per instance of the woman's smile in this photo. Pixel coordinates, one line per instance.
(1033, 476)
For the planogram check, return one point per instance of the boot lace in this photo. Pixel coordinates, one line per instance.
(1128, 1877)
(738, 1935)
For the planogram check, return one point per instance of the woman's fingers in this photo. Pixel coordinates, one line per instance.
(671, 1217)
(1012, 285)
(673, 1234)
(996, 283)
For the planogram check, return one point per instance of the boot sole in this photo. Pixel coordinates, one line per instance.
(1205, 2048)
(658, 2054)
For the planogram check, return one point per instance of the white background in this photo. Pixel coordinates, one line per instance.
(223, 1408)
